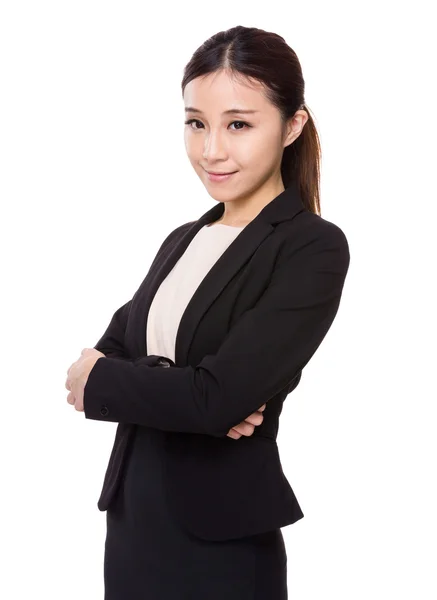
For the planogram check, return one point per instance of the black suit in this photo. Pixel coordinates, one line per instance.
(252, 325)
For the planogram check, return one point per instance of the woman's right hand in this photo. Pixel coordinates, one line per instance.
(248, 425)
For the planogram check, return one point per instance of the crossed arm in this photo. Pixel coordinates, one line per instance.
(260, 356)
(111, 344)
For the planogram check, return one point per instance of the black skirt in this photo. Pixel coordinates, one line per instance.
(149, 557)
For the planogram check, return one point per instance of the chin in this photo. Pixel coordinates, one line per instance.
(220, 195)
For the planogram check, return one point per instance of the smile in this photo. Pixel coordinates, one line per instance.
(220, 176)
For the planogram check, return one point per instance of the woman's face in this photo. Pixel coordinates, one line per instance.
(249, 144)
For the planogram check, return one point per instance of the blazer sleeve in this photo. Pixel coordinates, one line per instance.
(112, 341)
(261, 355)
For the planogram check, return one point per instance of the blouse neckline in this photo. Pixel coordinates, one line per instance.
(223, 225)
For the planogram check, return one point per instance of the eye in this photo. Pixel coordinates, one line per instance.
(242, 123)
(238, 129)
(192, 121)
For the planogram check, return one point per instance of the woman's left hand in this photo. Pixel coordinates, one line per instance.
(77, 376)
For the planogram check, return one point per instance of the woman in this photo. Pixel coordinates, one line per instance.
(235, 303)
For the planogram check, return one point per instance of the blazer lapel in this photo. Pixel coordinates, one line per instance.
(223, 270)
(285, 206)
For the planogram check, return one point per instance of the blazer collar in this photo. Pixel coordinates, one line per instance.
(283, 207)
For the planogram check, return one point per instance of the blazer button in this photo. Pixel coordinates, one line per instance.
(163, 362)
(104, 411)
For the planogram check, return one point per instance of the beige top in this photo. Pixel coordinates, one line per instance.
(177, 288)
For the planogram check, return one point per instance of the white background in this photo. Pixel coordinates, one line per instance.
(94, 175)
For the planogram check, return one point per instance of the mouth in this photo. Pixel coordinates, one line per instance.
(219, 176)
(220, 173)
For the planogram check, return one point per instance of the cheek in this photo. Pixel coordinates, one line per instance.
(193, 148)
(261, 152)
(250, 148)
(249, 156)
(187, 140)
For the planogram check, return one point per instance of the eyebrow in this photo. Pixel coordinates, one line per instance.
(240, 111)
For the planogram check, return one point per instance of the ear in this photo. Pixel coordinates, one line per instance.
(294, 127)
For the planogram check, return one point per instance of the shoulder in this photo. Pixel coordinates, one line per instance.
(309, 234)
(309, 226)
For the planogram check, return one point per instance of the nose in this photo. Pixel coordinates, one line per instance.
(214, 147)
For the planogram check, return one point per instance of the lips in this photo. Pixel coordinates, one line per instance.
(213, 173)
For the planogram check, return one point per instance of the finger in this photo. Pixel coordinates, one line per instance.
(70, 398)
(67, 384)
(79, 392)
(261, 408)
(255, 418)
(233, 434)
(244, 428)
(70, 368)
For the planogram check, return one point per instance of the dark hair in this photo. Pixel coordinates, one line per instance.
(264, 56)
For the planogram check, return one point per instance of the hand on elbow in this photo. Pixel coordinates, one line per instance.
(247, 427)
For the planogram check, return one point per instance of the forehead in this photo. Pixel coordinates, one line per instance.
(220, 91)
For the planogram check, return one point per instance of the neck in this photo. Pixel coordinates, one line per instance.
(240, 211)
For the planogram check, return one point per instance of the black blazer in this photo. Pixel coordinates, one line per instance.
(251, 326)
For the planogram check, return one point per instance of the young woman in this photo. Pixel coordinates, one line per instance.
(234, 306)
